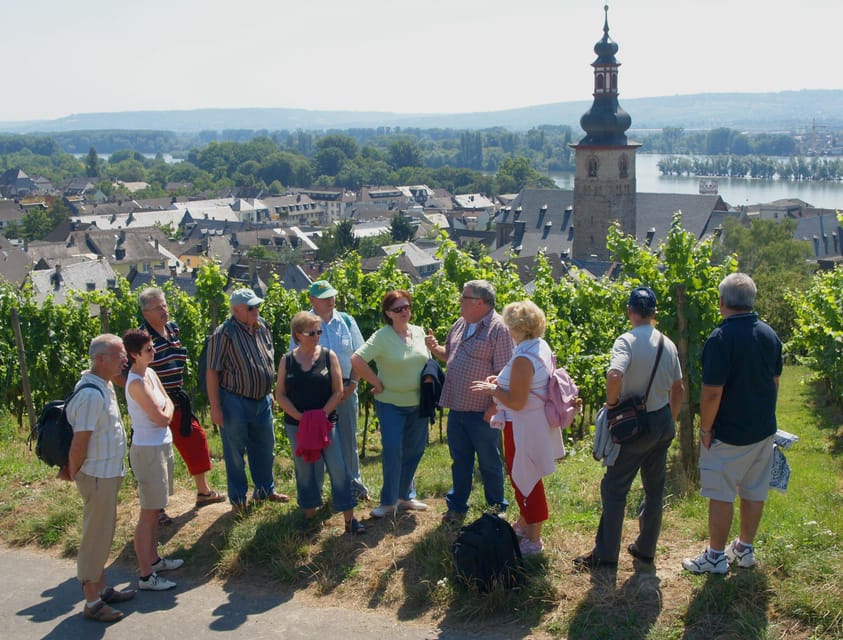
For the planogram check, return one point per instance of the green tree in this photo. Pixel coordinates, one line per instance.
(401, 229)
(404, 152)
(92, 164)
(776, 261)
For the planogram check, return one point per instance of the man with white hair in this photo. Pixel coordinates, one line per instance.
(96, 465)
(741, 366)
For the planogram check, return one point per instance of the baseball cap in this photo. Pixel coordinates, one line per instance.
(322, 289)
(642, 299)
(245, 296)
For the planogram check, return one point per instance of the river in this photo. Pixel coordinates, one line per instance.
(734, 191)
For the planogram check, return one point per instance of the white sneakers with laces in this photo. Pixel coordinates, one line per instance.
(703, 563)
(155, 583)
(167, 564)
(745, 557)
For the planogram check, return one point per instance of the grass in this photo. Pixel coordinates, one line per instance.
(404, 564)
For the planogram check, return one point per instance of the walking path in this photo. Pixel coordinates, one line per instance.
(42, 599)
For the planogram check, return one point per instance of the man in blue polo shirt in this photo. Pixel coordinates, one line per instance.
(741, 365)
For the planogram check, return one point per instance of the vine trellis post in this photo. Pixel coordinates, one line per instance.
(687, 451)
(24, 372)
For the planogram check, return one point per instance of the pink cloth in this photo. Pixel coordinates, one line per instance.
(312, 435)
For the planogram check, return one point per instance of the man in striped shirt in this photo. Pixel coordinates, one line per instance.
(240, 377)
(169, 363)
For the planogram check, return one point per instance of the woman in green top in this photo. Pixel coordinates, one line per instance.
(400, 353)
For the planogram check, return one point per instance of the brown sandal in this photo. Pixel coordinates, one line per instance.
(101, 612)
(209, 498)
(110, 595)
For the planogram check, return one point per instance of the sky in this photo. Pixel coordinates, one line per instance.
(402, 56)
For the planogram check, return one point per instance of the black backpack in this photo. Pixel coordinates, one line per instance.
(486, 553)
(52, 432)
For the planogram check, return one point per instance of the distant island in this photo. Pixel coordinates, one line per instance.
(786, 111)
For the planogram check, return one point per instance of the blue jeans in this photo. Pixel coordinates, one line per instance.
(347, 437)
(247, 429)
(649, 455)
(309, 477)
(469, 433)
(403, 439)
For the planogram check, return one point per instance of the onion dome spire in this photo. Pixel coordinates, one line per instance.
(605, 123)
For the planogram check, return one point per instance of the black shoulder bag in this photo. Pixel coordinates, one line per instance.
(627, 421)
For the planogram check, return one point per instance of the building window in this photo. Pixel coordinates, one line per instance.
(623, 167)
(592, 167)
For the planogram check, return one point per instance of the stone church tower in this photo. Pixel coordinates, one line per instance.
(604, 182)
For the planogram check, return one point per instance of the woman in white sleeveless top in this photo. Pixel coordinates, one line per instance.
(531, 445)
(151, 456)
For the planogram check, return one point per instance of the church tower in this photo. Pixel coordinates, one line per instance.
(604, 182)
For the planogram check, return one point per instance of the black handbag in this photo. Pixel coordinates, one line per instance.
(627, 420)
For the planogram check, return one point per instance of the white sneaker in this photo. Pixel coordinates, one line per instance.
(412, 505)
(167, 564)
(703, 564)
(155, 583)
(383, 511)
(745, 557)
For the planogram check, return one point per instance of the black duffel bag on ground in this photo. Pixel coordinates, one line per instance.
(627, 420)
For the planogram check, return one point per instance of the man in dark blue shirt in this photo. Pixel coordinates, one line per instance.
(741, 362)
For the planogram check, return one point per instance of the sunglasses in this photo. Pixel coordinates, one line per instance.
(310, 334)
(252, 307)
(401, 309)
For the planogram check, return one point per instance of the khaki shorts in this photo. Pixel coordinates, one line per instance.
(153, 470)
(728, 470)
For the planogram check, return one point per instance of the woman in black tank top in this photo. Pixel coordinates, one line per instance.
(308, 389)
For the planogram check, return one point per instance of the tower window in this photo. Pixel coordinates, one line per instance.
(592, 167)
(623, 167)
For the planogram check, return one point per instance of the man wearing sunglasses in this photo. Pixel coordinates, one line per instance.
(477, 346)
(240, 377)
(341, 335)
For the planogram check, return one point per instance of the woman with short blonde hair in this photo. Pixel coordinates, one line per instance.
(531, 445)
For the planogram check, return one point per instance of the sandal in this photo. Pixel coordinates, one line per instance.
(111, 595)
(101, 612)
(164, 519)
(211, 497)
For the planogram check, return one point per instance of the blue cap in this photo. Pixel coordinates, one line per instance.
(245, 296)
(643, 300)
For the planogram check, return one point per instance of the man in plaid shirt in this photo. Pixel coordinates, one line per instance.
(477, 346)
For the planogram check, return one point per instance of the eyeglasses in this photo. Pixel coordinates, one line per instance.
(310, 334)
(252, 307)
(469, 298)
(149, 349)
(160, 307)
(401, 309)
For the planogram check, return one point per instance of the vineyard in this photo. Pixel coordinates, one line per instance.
(584, 315)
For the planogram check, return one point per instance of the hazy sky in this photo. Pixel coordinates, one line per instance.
(408, 56)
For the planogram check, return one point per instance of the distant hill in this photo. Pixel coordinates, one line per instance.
(783, 111)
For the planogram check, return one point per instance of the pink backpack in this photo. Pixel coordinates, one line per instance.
(560, 396)
(560, 403)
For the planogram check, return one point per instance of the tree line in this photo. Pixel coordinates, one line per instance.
(733, 166)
